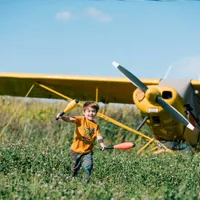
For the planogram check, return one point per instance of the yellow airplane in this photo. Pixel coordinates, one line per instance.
(171, 108)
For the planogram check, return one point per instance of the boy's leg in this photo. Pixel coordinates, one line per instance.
(76, 162)
(88, 165)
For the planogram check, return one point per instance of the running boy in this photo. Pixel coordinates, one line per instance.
(85, 134)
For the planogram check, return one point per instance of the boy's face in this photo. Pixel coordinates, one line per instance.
(90, 113)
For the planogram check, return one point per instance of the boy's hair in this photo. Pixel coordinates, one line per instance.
(91, 104)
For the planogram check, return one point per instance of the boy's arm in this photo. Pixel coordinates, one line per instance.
(66, 118)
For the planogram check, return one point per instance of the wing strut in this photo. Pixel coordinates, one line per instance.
(2, 134)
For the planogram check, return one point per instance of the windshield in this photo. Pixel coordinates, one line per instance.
(188, 67)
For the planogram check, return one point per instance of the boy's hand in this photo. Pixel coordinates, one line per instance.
(58, 116)
(102, 146)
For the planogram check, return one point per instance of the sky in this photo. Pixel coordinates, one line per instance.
(83, 37)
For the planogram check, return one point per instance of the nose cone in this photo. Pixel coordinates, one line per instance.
(151, 94)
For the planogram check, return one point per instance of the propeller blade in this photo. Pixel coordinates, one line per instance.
(131, 77)
(172, 111)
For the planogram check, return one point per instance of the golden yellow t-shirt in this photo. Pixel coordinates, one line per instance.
(85, 135)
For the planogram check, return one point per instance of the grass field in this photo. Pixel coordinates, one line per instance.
(35, 162)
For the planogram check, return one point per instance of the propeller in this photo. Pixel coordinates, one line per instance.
(167, 107)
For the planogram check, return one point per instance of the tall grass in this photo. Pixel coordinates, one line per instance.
(35, 162)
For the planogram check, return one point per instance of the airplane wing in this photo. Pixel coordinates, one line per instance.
(110, 89)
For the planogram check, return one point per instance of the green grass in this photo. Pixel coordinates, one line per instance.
(35, 161)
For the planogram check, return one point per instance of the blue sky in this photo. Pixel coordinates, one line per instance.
(83, 37)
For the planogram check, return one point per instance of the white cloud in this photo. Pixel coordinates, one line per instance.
(63, 16)
(98, 15)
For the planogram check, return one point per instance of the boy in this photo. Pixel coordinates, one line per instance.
(85, 134)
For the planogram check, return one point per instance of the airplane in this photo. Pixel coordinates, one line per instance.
(171, 108)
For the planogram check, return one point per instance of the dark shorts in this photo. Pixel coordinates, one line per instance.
(84, 160)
